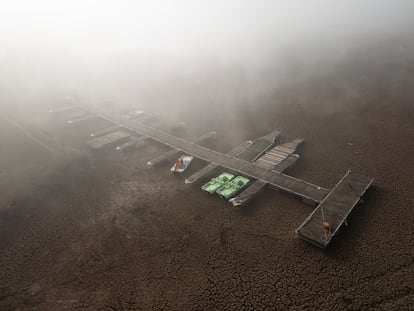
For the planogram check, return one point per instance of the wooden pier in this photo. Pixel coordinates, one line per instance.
(310, 193)
(259, 146)
(331, 214)
(271, 162)
(278, 154)
(319, 228)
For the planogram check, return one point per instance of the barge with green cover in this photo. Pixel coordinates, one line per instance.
(217, 182)
(232, 187)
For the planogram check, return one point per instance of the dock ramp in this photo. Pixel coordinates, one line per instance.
(280, 153)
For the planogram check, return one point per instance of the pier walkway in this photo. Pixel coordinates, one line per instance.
(309, 192)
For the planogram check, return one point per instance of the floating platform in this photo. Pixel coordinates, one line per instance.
(259, 146)
(334, 210)
(279, 154)
(108, 139)
(267, 160)
(319, 228)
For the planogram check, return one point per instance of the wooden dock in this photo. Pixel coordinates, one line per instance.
(259, 146)
(319, 228)
(310, 193)
(334, 210)
(268, 161)
(279, 154)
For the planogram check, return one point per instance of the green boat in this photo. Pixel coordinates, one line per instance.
(232, 187)
(217, 182)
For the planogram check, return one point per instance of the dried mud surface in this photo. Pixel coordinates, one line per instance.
(102, 231)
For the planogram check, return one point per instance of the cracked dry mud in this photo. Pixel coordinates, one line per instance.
(101, 231)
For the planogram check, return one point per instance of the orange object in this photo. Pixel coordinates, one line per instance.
(326, 225)
(177, 164)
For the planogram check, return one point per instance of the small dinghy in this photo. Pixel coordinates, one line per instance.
(181, 164)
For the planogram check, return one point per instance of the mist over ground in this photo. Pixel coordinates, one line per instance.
(197, 56)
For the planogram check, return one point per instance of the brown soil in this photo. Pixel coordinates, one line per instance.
(102, 231)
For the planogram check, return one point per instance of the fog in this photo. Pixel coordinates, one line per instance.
(180, 54)
(218, 28)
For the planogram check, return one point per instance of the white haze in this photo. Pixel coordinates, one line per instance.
(192, 52)
(206, 27)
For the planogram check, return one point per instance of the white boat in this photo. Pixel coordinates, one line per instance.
(181, 164)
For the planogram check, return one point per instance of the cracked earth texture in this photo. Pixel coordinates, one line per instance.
(102, 231)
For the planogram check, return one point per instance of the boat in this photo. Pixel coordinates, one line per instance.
(232, 187)
(217, 182)
(181, 164)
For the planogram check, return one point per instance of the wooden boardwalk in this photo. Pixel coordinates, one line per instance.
(207, 170)
(309, 192)
(259, 146)
(334, 209)
(280, 153)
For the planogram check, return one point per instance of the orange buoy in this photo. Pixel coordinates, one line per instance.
(326, 225)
